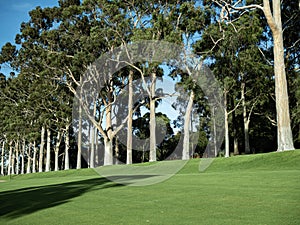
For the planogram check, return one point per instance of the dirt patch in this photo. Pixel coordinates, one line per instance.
(2, 181)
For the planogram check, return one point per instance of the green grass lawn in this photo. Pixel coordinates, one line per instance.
(254, 189)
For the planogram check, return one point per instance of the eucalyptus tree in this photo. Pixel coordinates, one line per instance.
(230, 11)
(238, 63)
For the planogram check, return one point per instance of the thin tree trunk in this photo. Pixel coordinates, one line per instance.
(29, 158)
(117, 150)
(56, 150)
(34, 157)
(79, 139)
(9, 159)
(23, 157)
(17, 158)
(226, 127)
(41, 153)
(215, 131)
(129, 121)
(108, 153)
(48, 153)
(284, 131)
(186, 131)
(245, 118)
(2, 158)
(235, 138)
(152, 153)
(67, 146)
(13, 163)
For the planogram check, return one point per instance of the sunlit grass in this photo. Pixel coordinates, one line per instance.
(254, 189)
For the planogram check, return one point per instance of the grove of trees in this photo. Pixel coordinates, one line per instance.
(252, 47)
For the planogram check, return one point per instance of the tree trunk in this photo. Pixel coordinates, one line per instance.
(245, 118)
(226, 127)
(48, 153)
(2, 158)
(108, 152)
(152, 153)
(92, 152)
(56, 150)
(13, 163)
(186, 132)
(235, 138)
(9, 159)
(17, 158)
(129, 121)
(284, 131)
(67, 146)
(41, 153)
(117, 150)
(108, 147)
(29, 158)
(215, 131)
(34, 157)
(78, 166)
(23, 157)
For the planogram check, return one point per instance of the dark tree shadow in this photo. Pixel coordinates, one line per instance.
(23, 201)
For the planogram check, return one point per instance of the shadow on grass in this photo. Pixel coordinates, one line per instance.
(24, 201)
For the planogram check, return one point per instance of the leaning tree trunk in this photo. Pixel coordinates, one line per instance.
(79, 139)
(41, 153)
(129, 121)
(48, 153)
(186, 131)
(284, 131)
(152, 153)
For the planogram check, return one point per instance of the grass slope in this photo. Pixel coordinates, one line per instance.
(254, 189)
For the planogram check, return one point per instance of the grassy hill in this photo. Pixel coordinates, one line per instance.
(252, 189)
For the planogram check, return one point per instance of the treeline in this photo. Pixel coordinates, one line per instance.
(56, 47)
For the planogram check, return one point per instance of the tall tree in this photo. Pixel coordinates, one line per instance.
(229, 10)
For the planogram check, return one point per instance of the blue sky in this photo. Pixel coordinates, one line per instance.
(13, 13)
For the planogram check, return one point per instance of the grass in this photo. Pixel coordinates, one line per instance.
(254, 189)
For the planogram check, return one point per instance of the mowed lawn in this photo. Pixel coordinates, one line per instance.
(254, 189)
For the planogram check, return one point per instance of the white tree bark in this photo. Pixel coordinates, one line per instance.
(34, 157)
(41, 153)
(152, 154)
(129, 121)
(108, 154)
(79, 139)
(48, 153)
(284, 131)
(186, 131)
(56, 150)
(23, 157)
(29, 158)
(17, 157)
(10, 158)
(67, 146)
(2, 158)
